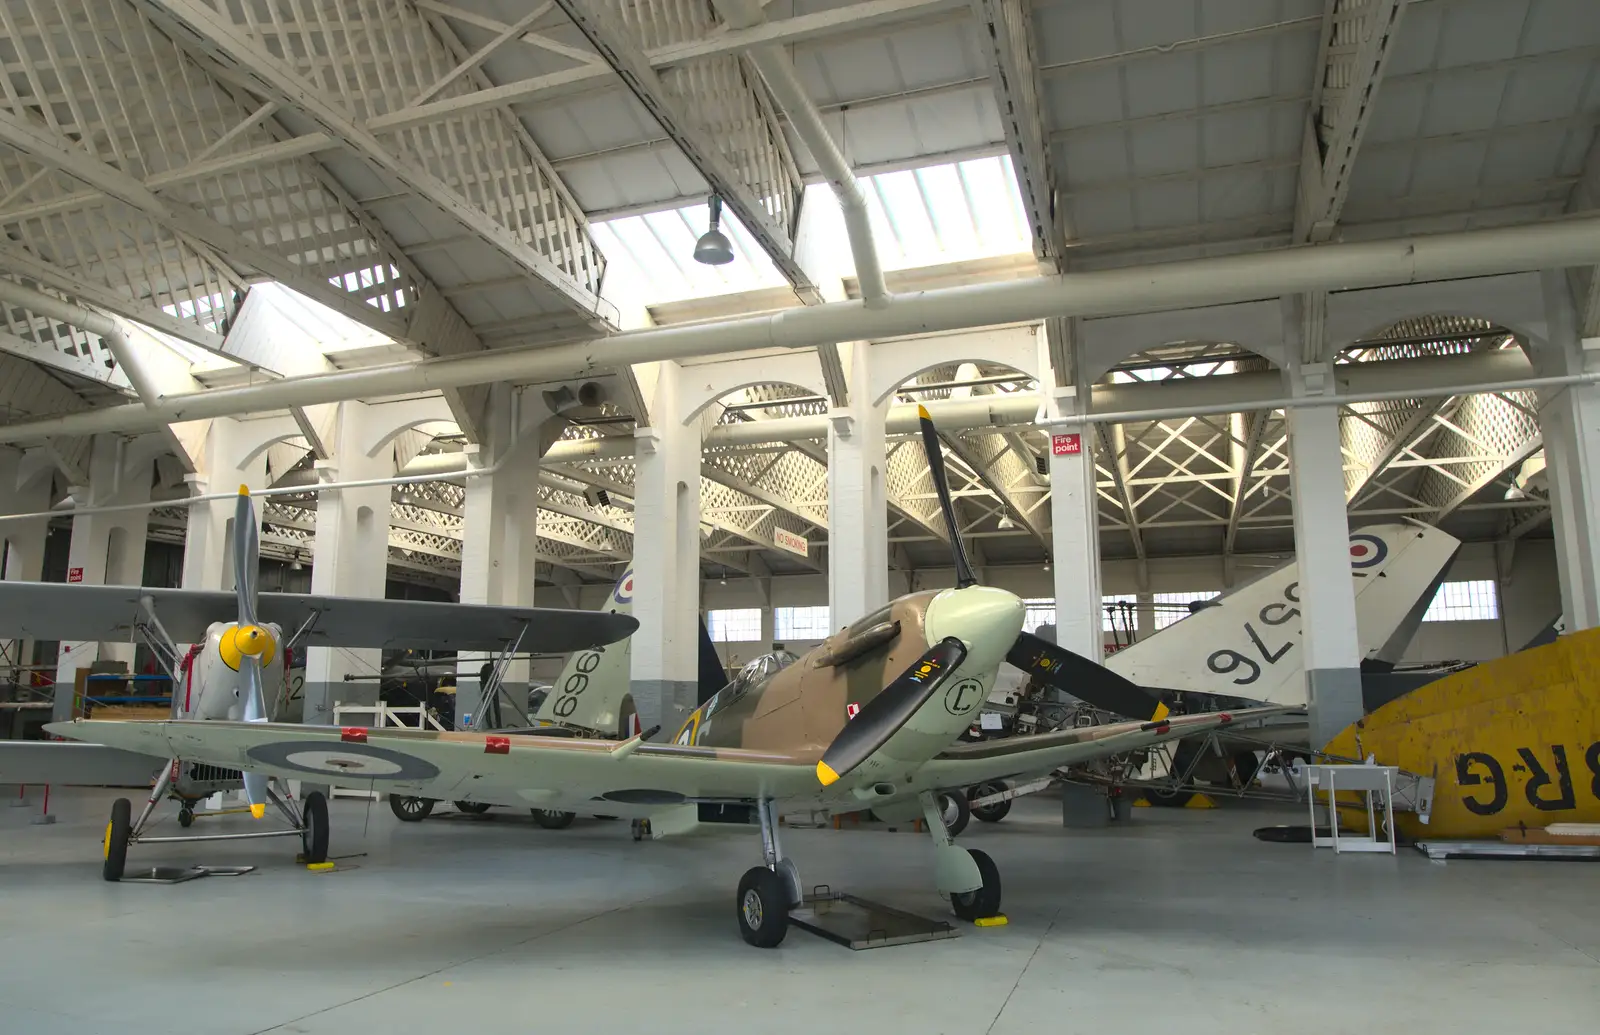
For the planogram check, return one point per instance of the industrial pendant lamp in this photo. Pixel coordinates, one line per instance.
(714, 248)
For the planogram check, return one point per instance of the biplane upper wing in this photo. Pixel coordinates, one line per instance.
(966, 764)
(72, 611)
(526, 769)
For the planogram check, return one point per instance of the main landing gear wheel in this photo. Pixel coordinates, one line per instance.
(954, 811)
(989, 813)
(763, 907)
(117, 834)
(408, 809)
(314, 828)
(1182, 760)
(186, 817)
(975, 905)
(552, 819)
(475, 808)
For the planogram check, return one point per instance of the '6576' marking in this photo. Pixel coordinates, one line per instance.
(1228, 660)
(1544, 790)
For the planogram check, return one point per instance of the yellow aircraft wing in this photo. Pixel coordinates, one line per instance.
(527, 770)
(967, 764)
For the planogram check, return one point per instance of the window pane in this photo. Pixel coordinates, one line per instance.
(801, 623)
(1474, 601)
(1119, 612)
(734, 625)
(1040, 611)
(1174, 607)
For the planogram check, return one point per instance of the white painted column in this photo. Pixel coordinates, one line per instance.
(858, 517)
(25, 482)
(1327, 592)
(666, 557)
(500, 542)
(107, 548)
(1075, 535)
(350, 559)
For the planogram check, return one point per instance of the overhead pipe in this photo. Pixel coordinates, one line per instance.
(109, 329)
(777, 69)
(1174, 285)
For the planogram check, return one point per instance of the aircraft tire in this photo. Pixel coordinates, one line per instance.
(186, 817)
(954, 810)
(408, 809)
(553, 819)
(975, 905)
(1168, 799)
(990, 813)
(476, 808)
(314, 828)
(1246, 764)
(117, 833)
(762, 906)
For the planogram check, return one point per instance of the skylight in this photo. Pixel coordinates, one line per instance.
(930, 216)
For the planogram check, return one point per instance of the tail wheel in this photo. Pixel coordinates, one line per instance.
(975, 905)
(954, 811)
(763, 907)
(116, 844)
(552, 819)
(990, 813)
(475, 808)
(314, 828)
(408, 809)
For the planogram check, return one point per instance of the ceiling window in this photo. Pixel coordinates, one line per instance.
(801, 623)
(1175, 607)
(651, 257)
(1472, 601)
(734, 625)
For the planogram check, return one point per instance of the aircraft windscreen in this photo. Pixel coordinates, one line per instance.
(754, 674)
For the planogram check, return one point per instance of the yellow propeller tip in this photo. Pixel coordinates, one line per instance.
(1162, 711)
(244, 490)
(826, 774)
(922, 411)
(258, 811)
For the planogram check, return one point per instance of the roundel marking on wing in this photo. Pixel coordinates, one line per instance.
(362, 760)
(624, 591)
(1367, 551)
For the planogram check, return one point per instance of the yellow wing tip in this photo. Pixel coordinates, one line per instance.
(244, 490)
(826, 775)
(922, 411)
(1162, 711)
(258, 811)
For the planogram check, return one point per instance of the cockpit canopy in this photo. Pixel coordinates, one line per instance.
(754, 674)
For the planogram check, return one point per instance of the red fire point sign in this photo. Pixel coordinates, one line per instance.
(1066, 445)
(74, 574)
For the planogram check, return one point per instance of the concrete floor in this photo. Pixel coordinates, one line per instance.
(1179, 923)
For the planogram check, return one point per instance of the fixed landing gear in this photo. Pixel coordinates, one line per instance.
(968, 876)
(768, 892)
(552, 819)
(954, 811)
(408, 809)
(473, 808)
(989, 813)
(309, 823)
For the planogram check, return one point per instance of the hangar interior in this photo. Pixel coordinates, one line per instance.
(521, 304)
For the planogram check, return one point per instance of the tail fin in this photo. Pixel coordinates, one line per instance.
(594, 691)
(1248, 643)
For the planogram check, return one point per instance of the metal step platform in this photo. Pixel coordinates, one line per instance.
(861, 924)
(179, 874)
(1441, 850)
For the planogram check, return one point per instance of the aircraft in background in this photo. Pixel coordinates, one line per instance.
(867, 719)
(239, 646)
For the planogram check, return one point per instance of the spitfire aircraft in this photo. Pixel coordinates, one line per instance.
(867, 719)
(239, 649)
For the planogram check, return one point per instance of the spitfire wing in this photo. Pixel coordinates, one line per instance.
(528, 770)
(69, 611)
(966, 764)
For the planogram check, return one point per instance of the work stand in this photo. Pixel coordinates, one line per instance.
(861, 924)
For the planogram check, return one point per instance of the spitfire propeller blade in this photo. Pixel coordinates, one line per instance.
(252, 642)
(930, 446)
(1093, 684)
(894, 706)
